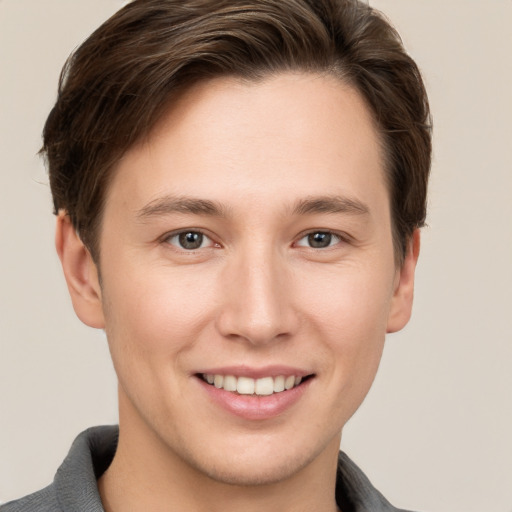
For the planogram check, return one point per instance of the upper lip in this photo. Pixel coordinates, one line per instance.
(256, 372)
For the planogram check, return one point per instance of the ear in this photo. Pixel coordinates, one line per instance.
(80, 272)
(401, 303)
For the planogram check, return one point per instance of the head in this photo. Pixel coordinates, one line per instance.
(248, 178)
(119, 83)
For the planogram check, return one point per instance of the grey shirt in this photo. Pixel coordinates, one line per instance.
(75, 489)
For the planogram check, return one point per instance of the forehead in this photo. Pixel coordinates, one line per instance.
(228, 139)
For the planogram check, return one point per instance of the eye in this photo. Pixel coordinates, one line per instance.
(190, 240)
(319, 240)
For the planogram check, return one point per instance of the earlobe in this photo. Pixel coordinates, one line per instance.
(401, 304)
(80, 273)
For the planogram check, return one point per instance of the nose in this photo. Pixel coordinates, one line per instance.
(257, 299)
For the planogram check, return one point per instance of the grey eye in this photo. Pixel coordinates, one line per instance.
(189, 240)
(319, 240)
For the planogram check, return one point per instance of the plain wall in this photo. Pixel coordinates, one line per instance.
(435, 433)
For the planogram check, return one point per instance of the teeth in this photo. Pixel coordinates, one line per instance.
(279, 384)
(264, 386)
(218, 381)
(230, 383)
(289, 382)
(247, 386)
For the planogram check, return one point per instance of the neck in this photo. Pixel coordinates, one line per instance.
(146, 475)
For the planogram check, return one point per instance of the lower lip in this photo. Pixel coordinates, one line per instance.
(252, 407)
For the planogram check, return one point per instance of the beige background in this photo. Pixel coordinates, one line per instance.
(435, 433)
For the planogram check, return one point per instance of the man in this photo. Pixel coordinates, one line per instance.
(239, 188)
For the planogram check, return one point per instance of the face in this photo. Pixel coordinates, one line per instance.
(248, 275)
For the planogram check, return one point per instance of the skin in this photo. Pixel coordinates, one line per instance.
(255, 293)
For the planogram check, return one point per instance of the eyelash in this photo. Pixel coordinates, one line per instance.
(337, 238)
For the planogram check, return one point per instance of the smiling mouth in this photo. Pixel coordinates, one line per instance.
(264, 386)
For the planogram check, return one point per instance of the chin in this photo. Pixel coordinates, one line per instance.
(252, 469)
(251, 475)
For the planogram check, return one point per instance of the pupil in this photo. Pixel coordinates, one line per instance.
(191, 240)
(319, 240)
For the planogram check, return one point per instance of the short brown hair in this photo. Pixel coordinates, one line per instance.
(117, 84)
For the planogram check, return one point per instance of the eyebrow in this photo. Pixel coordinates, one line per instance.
(330, 204)
(176, 204)
(310, 205)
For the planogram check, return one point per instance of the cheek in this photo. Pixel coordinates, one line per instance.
(152, 324)
(351, 314)
(353, 340)
(155, 315)
(351, 303)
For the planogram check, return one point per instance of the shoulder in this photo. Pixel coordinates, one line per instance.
(75, 484)
(355, 492)
(44, 500)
